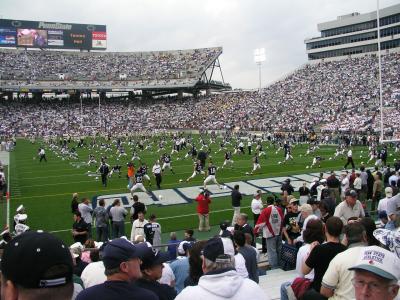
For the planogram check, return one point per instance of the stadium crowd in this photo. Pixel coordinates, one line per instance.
(107, 66)
(337, 96)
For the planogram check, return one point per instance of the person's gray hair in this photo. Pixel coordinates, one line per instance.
(109, 272)
(218, 265)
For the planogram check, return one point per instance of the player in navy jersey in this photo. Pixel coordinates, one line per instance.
(138, 183)
(197, 170)
(288, 153)
(115, 169)
(92, 160)
(166, 158)
(256, 163)
(143, 170)
(211, 175)
(228, 159)
(316, 161)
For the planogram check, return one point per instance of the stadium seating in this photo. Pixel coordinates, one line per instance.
(336, 96)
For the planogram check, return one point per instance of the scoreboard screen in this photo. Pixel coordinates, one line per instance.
(33, 34)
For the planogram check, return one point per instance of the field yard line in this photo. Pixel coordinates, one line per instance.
(8, 197)
(171, 184)
(166, 218)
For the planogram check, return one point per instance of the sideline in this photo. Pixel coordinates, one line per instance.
(165, 218)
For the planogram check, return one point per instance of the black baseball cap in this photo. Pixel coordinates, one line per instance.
(120, 250)
(218, 247)
(153, 258)
(37, 259)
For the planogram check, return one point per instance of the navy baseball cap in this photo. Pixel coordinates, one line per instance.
(120, 250)
(153, 257)
(218, 247)
(37, 259)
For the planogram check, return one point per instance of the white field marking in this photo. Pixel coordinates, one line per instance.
(166, 218)
(8, 198)
(173, 184)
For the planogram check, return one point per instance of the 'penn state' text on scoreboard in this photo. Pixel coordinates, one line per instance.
(55, 35)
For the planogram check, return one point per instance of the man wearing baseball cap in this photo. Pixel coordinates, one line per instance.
(350, 207)
(152, 269)
(376, 274)
(220, 279)
(36, 265)
(122, 261)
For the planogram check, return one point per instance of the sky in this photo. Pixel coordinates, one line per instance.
(239, 26)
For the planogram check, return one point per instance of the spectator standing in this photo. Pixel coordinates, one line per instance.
(270, 221)
(376, 191)
(173, 244)
(236, 197)
(136, 208)
(138, 226)
(152, 231)
(118, 214)
(333, 185)
(203, 211)
(74, 202)
(101, 217)
(304, 192)
(291, 228)
(256, 206)
(86, 213)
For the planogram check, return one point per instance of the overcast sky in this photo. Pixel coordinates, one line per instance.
(239, 26)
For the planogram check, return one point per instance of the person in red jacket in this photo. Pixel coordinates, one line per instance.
(270, 222)
(203, 202)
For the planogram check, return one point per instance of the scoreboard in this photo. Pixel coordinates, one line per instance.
(54, 35)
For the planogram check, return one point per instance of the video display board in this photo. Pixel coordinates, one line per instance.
(33, 34)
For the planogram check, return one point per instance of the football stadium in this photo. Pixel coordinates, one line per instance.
(160, 179)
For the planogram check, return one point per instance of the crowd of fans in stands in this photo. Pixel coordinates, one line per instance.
(338, 96)
(107, 66)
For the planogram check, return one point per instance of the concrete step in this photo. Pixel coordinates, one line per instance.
(271, 282)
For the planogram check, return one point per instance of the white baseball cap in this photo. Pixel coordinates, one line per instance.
(379, 261)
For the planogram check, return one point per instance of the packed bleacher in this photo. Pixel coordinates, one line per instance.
(108, 66)
(337, 96)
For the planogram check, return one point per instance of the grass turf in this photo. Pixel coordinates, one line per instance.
(45, 189)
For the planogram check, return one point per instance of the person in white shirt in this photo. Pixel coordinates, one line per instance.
(86, 213)
(349, 208)
(138, 226)
(256, 206)
(382, 205)
(344, 184)
(349, 159)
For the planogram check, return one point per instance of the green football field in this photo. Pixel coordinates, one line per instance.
(46, 189)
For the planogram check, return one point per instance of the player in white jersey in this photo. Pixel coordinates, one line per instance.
(211, 175)
(197, 170)
(339, 152)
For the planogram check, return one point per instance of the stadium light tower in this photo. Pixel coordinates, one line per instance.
(379, 69)
(259, 58)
